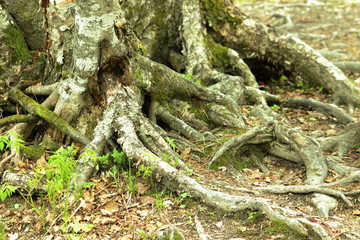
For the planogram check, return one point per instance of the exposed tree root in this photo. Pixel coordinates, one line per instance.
(41, 90)
(344, 141)
(354, 177)
(179, 125)
(236, 143)
(145, 87)
(16, 119)
(348, 66)
(311, 104)
(200, 230)
(36, 109)
(177, 180)
(307, 189)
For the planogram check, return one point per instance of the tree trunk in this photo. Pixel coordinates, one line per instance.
(113, 73)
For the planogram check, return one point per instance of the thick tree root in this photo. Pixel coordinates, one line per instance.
(22, 181)
(41, 90)
(354, 177)
(16, 119)
(236, 143)
(200, 230)
(257, 41)
(344, 141)
(307, 189)
(179, 125)
(36, 109)
(307, 149)
(330, 110)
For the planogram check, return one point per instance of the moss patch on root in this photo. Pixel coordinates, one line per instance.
(15, 40)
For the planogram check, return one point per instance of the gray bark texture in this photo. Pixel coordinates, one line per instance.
(134, 71)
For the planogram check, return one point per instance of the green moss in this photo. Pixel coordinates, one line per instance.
(15, 40)
(254, 217)
(230, 159)
(259, 151)
(162, 92)
(218, 54)
(242, 158)
(216, 12)
(40, 63)
(50, 145)
(32, 152)
(198, 108)
(142, 48)
(278, 226)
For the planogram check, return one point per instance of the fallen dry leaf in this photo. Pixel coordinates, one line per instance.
(104, 220)
(185, 152)
(109, 208)
(142, 188)
(146, 200)
(143, 213)
(356, 212)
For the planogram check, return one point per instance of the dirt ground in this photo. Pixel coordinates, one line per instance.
(113, 212)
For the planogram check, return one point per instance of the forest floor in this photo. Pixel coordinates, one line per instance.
(112, 211)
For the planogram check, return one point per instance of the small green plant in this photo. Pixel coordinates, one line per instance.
(118, 161)
(188, 172)
(144, 171)
(58, 173)
(159, 204)
(254, 216)
(6, 191)
(116, 158)
(142, 233)
(119, 158)
(300, 84)
(190, 77)
(2, 230)
(275, 107)
(283, 78)
(88, 185)
(6, 142)
(171, 143)
(183, 196)
(131, 183)
(211, 214)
